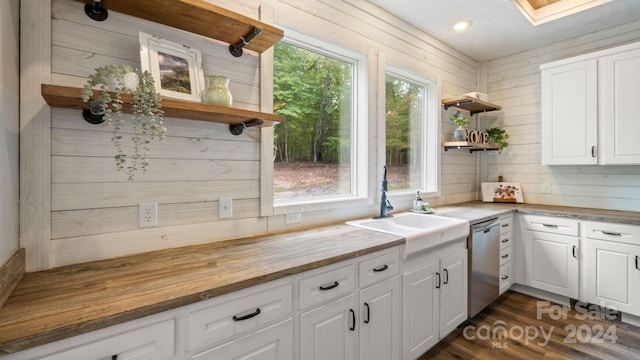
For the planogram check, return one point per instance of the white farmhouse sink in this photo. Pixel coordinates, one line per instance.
(420, 231)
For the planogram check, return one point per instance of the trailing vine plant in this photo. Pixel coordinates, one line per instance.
(146, 106)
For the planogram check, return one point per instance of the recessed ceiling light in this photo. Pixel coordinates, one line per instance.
(461, 25)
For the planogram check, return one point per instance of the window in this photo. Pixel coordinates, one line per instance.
(317, 87)
(411, 131)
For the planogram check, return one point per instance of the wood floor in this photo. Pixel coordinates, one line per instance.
(527, 323)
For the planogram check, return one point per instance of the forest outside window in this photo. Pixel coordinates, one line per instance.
(410, 126)
(317, 87)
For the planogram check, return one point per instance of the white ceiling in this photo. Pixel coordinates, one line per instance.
(499, 28)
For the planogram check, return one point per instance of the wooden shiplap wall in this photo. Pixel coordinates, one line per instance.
(514, 82)
(94, 208)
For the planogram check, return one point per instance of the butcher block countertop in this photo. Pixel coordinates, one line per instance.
(56, 304)
(63, 302)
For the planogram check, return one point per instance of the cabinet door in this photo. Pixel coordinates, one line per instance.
(551, 262)
(271, 343)
(380, 321)
(613, 275)
(420, 306)
(569, 113)
(453, 293)
(329, 331)
(619, 76)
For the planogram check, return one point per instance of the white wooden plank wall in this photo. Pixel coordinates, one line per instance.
(514, 82)
(94, 208)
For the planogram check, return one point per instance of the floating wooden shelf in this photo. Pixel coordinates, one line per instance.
(198, 17)
(71, 98)
(470, 104)
(472, 147)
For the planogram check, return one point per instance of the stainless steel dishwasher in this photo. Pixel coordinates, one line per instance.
(484, 265)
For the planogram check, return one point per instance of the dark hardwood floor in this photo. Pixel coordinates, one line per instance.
(538, 330)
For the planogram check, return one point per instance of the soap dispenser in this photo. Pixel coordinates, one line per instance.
(417, 202)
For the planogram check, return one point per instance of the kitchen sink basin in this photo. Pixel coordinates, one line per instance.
(420, 231)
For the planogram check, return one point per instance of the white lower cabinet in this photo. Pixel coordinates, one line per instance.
(613, 266)
(341, 319)
(129, 341)
(434, 297)
(273, 342)
(551, 254)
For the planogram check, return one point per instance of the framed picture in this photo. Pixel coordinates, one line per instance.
(176, 69)
(502, 192)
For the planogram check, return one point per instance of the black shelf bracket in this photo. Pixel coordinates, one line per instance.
(458, 104)
(96, 11)
(237, 129)
(236, 50)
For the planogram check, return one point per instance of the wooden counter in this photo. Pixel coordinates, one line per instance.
(60, 303)
(63, 302)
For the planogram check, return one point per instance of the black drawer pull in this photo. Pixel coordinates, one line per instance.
(246, 317)
(114, 357)
(446, 277)
(637, 268)
(505, 225)
(505, 240)
(353, 317)
(438, 276)
(505, 256)
(381, 268)
(573, 251)
(550, 226)
(366, 321)
(505, 277)
(329, 287)
(611, 233)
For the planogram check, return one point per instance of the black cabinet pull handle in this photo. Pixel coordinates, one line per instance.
(329, 287)
(611, 233)
(505, 225)
(446, 277)
(505, 256)
(505, 277)
(366, 321)
(381, 268)
(637, 268)
(574, 251)
(550, 226)
(353, 317)
(438, 280)
(114, 357)
(593, 151)
(505, 240)
(248, 316)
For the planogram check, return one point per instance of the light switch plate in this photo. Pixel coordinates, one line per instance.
(225, 208)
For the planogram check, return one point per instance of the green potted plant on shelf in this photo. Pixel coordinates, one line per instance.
(498, 137)
(459, 134)
(146, 107)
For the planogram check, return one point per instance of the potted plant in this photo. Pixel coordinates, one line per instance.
(147, 116)
(498, 137)
(459, 134)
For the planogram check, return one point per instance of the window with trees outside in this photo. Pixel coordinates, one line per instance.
(316, 88)
(410, 126)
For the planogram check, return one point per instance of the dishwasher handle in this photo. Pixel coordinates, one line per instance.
(485, 226)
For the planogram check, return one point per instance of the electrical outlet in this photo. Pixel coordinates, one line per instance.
(546, 188)
(225, 208)
(292, 218)
(148, 215)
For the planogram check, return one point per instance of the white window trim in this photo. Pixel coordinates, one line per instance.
(430, 174)
(359, 150)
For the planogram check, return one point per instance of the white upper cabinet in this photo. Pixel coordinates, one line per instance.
(619, 77)
(588, 108)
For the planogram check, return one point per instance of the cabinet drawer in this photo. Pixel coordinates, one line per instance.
(613, 232)
(505, 255)
(320, 287)
(506, 224)
(378, 268)
(506, 277)
(242, 313)
(554, 225)
(153, 342)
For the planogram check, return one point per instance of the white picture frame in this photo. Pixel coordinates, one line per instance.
(167, 62)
